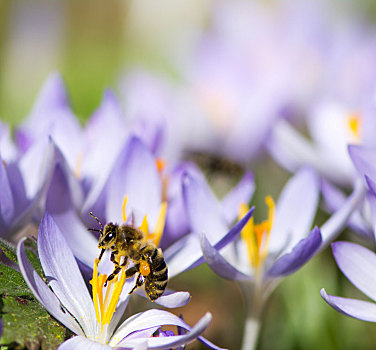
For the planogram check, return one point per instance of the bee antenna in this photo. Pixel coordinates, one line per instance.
(91, 214)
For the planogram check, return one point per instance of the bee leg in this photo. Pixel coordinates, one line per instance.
(113, 274)
(131, 271)
(139, 283)
(101, 254)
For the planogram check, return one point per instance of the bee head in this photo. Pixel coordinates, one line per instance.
(108, 236)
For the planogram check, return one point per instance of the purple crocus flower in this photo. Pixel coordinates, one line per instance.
(23, 184)
(95, 319)
(87, 152)
(332, 127)
(265, 252)
(133, 195)
(358, 265)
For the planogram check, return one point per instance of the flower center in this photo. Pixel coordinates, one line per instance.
(354, 123)
(257, 236)
(106, 298)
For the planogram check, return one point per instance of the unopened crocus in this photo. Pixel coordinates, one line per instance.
(95, 317)
(358, 265)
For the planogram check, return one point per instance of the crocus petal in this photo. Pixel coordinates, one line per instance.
(6, 198)
(372, 204)
(172, 299)
(360, 309)
(241, 193)
(335, 224)
(295, 210)
(65, 278)
(42, 292)
(364, 160)
(153, 318)
(203, 209)
(177, 224)
(186, 253)
(107, 123)
(335, 199)
(358, 265)
(52, 95)
(60, 207)
(178, 340)
(219, 264)
(82, 343)
(300, 254)
(137, 177)
(371, 184)
(169, 299)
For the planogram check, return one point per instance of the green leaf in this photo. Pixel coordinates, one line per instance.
(9, 250)
(29, 325)
(25, 322)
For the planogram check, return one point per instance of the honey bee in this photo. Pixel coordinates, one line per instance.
(128, 242)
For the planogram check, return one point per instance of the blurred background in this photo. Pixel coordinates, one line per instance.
(93, 44)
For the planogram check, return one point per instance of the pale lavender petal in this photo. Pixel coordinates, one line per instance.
(52, 95)
(372, 204)
(186, 253)
(8, 149)
(336, 223)
(360, 309)
(241, 193)
(60, 267)
(219, 264)
(107, 123)
(335, 199)
(364, 160)
(82, 343)
(170, 299)
(145, 333)
(154, 318)
(295, 210)
(358, 265)
(137, 177)
(230, 236)
(42, 292)
(178, 340)
(60, 207)
(203, 209)
(7, 205)
(177, 224)
(300, 254)
(371, 184)
(36, 166)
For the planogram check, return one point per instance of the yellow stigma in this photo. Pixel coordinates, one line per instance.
(123, 208)
(156, 235)
(257, 236)
(105, 303)
(354, 124)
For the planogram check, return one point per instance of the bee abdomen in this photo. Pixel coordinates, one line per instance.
(156, 282)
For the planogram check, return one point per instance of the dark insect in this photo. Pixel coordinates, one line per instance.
(128, 242)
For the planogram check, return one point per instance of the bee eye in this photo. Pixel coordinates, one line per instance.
(109, 237)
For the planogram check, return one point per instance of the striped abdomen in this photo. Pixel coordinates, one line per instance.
(156, 281)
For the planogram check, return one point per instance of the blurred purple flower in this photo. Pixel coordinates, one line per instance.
(358, 265)
(332, 127)
(23, 184)
(94, 320)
